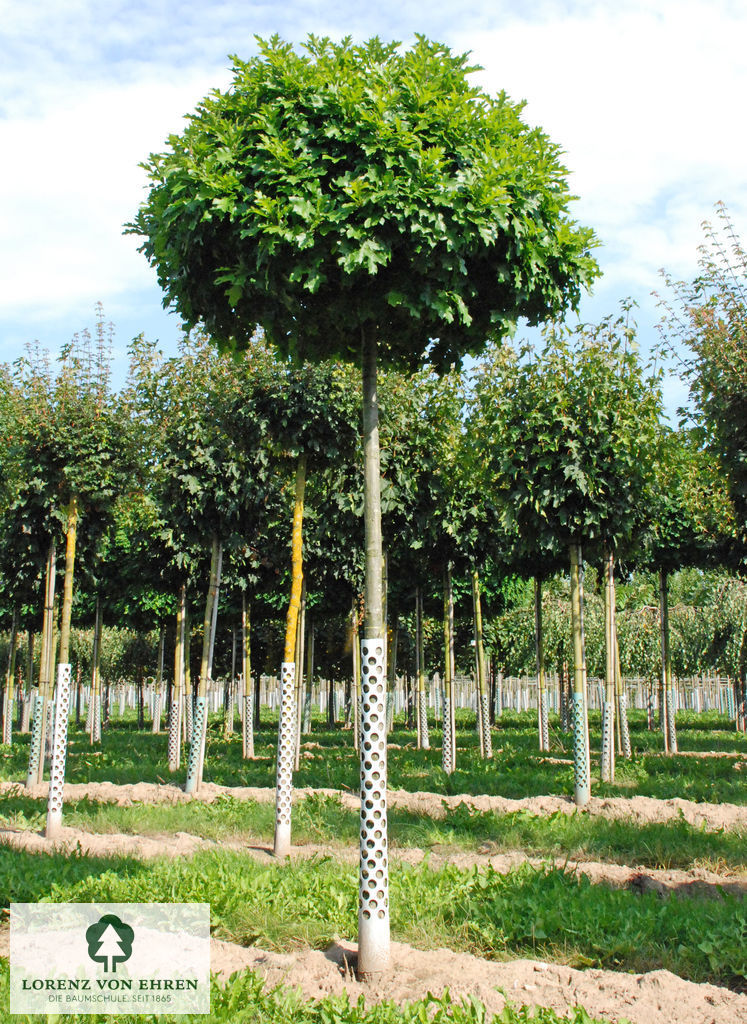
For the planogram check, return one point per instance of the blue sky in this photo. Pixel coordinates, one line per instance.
(645, 98)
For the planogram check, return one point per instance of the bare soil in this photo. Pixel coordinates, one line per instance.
(657, 997)
(641, 809)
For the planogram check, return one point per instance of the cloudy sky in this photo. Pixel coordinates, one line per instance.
(645, 98)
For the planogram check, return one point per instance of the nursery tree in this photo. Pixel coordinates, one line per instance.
(368, 204)
(709, 316)
(688, 520)
(571, 430)
(71, 448)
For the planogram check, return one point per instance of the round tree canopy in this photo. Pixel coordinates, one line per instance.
(353, 187)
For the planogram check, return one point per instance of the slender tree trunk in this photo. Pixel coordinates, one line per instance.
(608, 710)
(423, 737)
(356, 687)
(199, 725)
(228, 690)
(95, 698)
(581, 765)
(391, 673)
(306, 724)
(286, 723)
(668, 724)
(300, 652)
(622, 700)
(487, 739)
(67, 587)
(187, 694)
(247, 727)
(158, 695)
(539, 646)
(9, 681)
(25, 720)
(176, 708)
(448, 747)
(38, 729)
(373, 903)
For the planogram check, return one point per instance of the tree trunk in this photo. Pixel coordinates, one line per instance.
(448, 751)
(286, 722)
(38, 730)
(668, 725)
(621, 697)
(158, 695)
(176, 708)
(391, 673)
(67, 587)
(355, 698)
(486, 739)
(581, 765)
(9, 682)
(539, 647)
(199, 725)
(187, 693)
(306, 724)
(95, 698)
(247, 725)
(423, 737)
(373, 904)
(299, 678)
(608, 710)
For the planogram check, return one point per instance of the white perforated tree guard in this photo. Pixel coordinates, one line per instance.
(59, 751)
(582, 780)
(671, 729)
(32, 776)
(544, 722)
(175, 731)
(247, 721)
(286, 750)
(425, 741)
(373, 898)
(157, 710)
(8, 713)
(96, 719)
(608, 742)
(197, 746)
(487, 738)
(447, 753)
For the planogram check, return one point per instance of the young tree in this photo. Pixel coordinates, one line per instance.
(572, 430)
(709, 317)
(368, 204)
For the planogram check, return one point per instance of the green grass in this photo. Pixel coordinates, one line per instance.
(517, 770)
(545, 913)
(323, 819)
(245, 1000)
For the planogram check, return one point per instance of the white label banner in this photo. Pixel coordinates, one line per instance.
(110, 958)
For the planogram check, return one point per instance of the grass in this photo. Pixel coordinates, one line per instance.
(546, 913)
(323, 820)
(517, 769)
(245, 1000)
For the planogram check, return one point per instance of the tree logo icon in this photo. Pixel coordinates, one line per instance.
(110, 942)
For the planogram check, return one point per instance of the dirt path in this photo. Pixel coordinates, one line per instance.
(642, 809)
(657, 997)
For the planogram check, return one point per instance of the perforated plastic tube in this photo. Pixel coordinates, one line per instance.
(373, 899)
(59, 751)
(286, 740)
